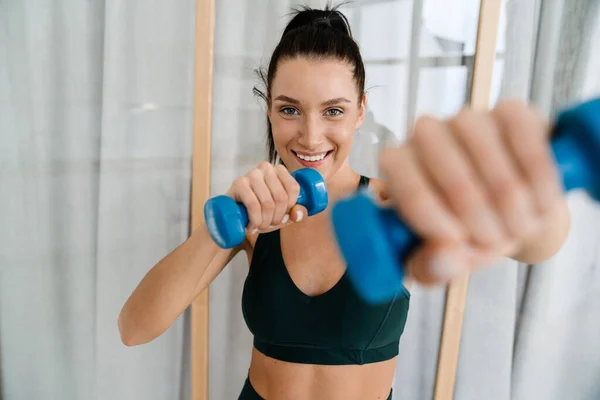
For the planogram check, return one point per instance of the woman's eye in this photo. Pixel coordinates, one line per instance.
(334, 112)
(289, 111)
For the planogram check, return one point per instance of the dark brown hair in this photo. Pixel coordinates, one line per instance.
(317, 34)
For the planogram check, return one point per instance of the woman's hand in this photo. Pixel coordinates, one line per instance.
(269, 194)
(476, 187)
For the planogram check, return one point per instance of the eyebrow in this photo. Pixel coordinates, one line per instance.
(331, 102)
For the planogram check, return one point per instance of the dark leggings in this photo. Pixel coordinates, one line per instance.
(248, 392)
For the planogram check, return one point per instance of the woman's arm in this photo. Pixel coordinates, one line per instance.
(269, 194)
(170, 287)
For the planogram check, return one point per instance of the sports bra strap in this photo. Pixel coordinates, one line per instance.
(364, 182)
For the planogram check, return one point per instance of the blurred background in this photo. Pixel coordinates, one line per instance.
(96, 105)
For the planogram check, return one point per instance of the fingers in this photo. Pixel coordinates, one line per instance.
(278, 194)
(298, 213)
(290, 185)
(241, 191)
(267, 203)
(479, 180)
(434, 264)
(526, 133)
(449, 168)
(269, 194)
(415, 199)
(497, 170)
(440, 264)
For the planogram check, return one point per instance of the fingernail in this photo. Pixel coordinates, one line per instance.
(446, 266)
(300, 216)
(285, 219)
(254, 231)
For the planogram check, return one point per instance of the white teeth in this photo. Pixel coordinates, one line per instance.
(311, 158)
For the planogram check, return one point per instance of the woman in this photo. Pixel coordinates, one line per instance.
(475, 187)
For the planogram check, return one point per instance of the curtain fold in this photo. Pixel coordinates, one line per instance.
(95, 170)
(556, 331)
(95, 153)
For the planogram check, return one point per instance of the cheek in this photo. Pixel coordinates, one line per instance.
(283, 131)
(342, 134)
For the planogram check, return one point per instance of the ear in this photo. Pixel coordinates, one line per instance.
(361, 110)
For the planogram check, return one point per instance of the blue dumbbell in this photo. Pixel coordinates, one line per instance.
(227, 220)
(375, 242)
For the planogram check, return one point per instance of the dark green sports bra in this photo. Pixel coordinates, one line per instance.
(334, 328)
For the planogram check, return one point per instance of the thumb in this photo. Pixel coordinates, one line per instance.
(436, 264)
(297, 213)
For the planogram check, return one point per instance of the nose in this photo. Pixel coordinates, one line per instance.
(311, 135)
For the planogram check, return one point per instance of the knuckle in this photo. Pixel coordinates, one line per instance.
(423, 127)
(255, 173)
(465, 114)
(280, 197)
(294, 189)
(462, 121)
(507, 191)
(241, 184)
(280, 168)
(242, 181)
(508, 106)
(540, 162)
(292, 199)
(268, 205)
(265, 166)
(464, 196)
(412, 199)
(513, 200)
(252, 205)
(254, 212)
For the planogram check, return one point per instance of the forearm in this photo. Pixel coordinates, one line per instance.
(168, 288)
(550, 238)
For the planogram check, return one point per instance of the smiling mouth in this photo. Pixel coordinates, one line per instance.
(314, 159)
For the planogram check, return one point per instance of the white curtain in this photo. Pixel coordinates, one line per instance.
(95, 151)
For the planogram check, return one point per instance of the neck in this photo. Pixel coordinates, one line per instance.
(343, 182)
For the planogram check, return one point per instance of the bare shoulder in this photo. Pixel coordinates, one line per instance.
(377, 187)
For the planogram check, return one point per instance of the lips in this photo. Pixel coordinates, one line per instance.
(312, 159)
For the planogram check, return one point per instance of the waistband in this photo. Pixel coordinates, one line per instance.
(325, 356)
(248, 392)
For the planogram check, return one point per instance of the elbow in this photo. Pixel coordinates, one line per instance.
(128, 340)
(130, 336)
(133, 334)
(127, 336)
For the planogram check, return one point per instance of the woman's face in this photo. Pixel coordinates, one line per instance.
(314, 112)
